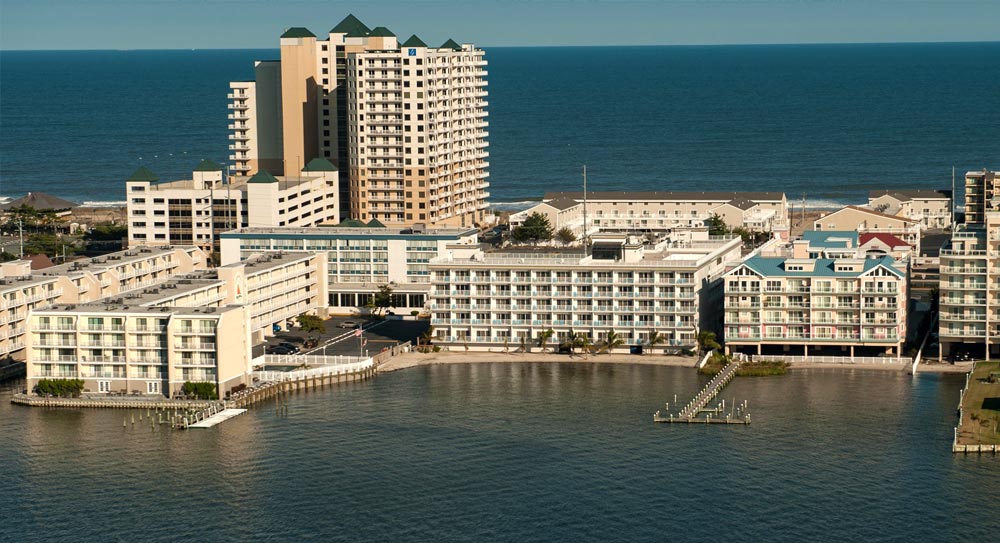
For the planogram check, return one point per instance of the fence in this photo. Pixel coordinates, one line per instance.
(322, 371)
(846, 360)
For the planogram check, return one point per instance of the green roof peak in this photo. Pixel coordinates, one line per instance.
(351, 26)
(143, 174)
(298, 32)
(381, 32)
(207, 165)
(262, 177)
(375, 223)
(414, 41)
(319, 165)
(450, 44)
(351, 223)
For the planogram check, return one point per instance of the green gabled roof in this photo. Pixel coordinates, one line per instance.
(414, 41)
(375, 223)
(319, 165)
(351, 26)
(143, 174)
(352, 223)
(381, 32)
(298, 32)
(262, 177)
(824, 267)
(450, 44)
(207, 166)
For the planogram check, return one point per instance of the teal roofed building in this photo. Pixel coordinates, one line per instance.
(352, 27)
(143, 174)
(846, 308)
(298, 32)
(414, 41)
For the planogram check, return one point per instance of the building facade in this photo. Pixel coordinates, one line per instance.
(196, 211)
(406, 122)
(969, 289)
(803, 306)
(868, 221)
(505, 301)
(23, 289)
(359, 259)
(931, 208)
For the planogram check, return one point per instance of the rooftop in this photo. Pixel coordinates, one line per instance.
(667, 195)
(824, 267)
(831, 239)
(344, 232)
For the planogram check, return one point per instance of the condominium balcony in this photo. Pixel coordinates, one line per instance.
(239, 105)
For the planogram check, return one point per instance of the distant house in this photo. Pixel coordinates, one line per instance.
(864, 220)
(932, 208)
(40, 201)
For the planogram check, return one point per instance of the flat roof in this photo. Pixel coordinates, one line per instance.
(724, 196)
(344, 232)
(111, 260)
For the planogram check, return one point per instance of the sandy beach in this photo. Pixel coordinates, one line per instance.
(414, 359)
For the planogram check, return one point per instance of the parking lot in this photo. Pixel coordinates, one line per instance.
(339, 338)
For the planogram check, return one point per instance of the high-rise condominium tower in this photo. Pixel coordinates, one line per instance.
(405, 123)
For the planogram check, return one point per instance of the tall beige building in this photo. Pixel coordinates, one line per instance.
(405, 121)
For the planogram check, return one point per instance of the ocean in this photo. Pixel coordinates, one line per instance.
(513, 452)
(824, 122)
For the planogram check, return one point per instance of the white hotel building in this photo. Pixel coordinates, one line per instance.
(23, 289)
(496, 300)
(196, 327)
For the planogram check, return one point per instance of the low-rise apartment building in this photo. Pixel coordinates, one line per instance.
(359, 259)
(195, 211)
(23, 289)
(868, 221)
(802, 306)
(196, 327)
(662, 210)
(931, 208)
(501, 300)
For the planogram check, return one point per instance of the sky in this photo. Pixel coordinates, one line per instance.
(239, 24)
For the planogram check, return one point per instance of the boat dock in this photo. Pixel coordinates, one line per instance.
(691, 413)
(220, 417)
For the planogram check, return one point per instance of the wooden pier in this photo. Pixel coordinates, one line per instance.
(691, 413)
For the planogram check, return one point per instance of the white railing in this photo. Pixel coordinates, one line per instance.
(328, 365)
(846, 360)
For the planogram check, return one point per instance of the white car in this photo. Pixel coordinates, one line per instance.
(348, 324)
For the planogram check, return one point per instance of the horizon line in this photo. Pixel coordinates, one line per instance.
(579, 46)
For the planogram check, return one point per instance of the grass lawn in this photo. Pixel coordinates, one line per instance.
(981, 420)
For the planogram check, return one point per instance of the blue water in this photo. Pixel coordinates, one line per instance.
(830, 121)
(518, 453)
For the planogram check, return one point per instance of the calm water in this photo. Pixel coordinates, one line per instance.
(828, 120)
(560, 452)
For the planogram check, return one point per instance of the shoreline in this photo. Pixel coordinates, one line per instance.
(415, 359)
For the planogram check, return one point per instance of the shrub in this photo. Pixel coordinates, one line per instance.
(201, 391)
(64, 388)
(763, 368)
(437, 349)
(414, 313)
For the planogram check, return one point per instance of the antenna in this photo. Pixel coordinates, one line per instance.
(953, 198)
(585, 244)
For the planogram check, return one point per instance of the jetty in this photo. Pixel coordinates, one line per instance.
(691, 413)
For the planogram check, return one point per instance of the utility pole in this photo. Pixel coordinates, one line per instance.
(20, 233)
(803, 208)
(586, 246)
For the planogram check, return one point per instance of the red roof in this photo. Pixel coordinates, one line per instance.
(888, 239)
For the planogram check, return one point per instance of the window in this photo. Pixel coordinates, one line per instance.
(152, 387)
(104, 386)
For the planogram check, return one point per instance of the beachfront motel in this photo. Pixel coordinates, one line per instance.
(195, 327)
(494, 301)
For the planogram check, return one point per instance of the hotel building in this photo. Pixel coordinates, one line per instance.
(406, 121)
(802, 305)
(196, 327)
(969, 290)
(23, 289)
(359, 259)
(660, 210)
(497, 300)
(195, 211)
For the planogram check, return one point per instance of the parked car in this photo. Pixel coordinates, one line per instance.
(348, 324)
(277, 349)
(291, 347)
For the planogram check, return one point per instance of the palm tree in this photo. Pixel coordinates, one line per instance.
(543, 338)
(582, 341)
(425, 338)
(612, 341)
(707, 341)
(655, 338)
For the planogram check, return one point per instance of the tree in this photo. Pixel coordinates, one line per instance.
(200, 390)
(655, 338)
(380, 301)
(50, 245)
(612, 342)
(707, 341)
(535, 228)
(543, 338)
(565, 236)
(579, 340)
(7, 257)
(716, 226)
(107, 232)
(311, 324)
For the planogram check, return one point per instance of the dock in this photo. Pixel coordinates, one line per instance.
(218, 418)
(692, 412)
